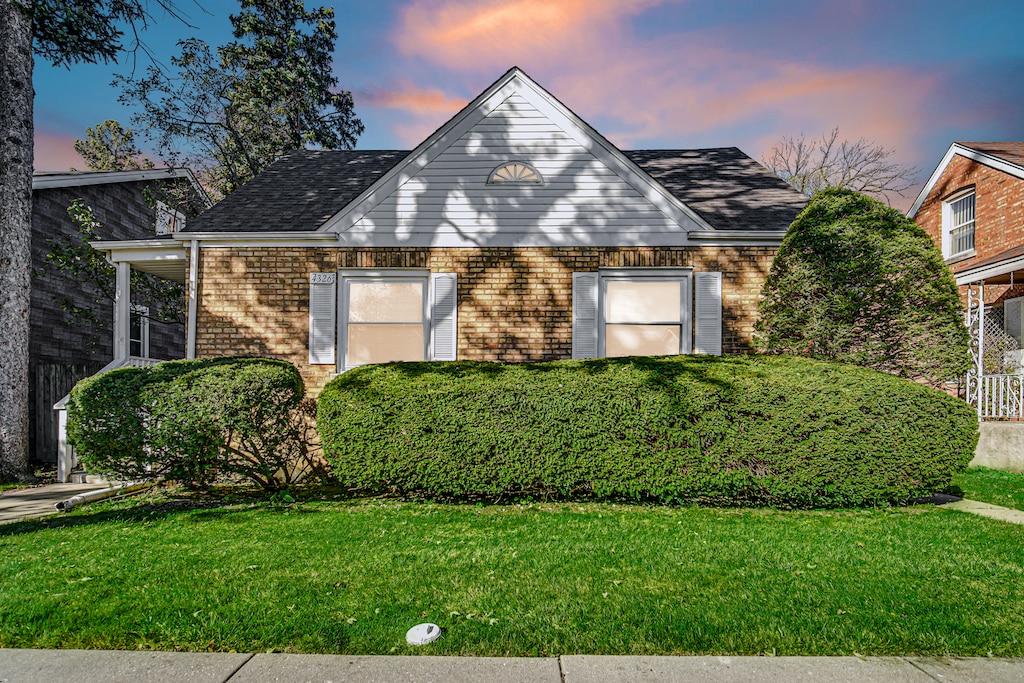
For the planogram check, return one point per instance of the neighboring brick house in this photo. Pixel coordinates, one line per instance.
(64, 349)
(973, 208)
(515, 232)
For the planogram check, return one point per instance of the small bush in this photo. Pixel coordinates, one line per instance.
(777, 431)
(195, 421)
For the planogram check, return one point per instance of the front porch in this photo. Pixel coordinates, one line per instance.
(163, 258)
(995, 303)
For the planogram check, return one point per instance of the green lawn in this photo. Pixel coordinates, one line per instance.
(351, 576)
(991, 486)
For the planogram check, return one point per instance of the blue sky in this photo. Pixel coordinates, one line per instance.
(908, 74)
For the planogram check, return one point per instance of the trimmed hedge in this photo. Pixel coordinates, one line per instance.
(193, 421)
(741, 430)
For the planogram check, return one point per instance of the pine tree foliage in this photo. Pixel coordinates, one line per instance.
(231, 112)
(857, 282)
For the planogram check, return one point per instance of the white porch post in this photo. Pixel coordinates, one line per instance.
(122, 309)
(193, 303)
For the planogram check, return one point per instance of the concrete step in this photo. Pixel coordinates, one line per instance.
(83, 477)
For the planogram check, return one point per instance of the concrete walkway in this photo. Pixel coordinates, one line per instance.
(74, 666)
(988, 510)
(38, 501)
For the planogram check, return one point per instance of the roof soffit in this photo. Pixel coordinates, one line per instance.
(514, 82)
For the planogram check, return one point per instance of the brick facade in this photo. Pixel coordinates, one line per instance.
(514, 304)
(999, 211)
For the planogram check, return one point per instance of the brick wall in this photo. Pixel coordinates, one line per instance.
(999, 211)
(514, 304)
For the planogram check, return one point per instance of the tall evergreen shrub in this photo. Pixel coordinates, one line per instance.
(857, 282)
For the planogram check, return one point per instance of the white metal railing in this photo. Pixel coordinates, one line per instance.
(1001, 396)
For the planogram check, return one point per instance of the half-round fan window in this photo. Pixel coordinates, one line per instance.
(515, 172)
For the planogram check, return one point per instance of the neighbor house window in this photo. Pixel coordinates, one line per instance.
(168, 220)
(958, 225)
(515, 172)
(138, 332)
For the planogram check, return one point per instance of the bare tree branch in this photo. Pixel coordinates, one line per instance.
(811, 165)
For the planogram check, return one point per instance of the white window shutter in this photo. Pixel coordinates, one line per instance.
(584, 315)
(444, 317)
(1012, 318)
(707, 338)
(322, 311)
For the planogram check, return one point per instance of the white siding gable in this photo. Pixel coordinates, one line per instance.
(591, 195)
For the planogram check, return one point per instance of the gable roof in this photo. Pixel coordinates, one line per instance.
(693, 191)
(1007, 157)
(303, 190)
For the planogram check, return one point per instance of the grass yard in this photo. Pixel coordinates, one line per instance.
(992, 486)
(351, 576)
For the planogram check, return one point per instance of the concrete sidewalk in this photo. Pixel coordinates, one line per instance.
(74, 666)
(38, 501)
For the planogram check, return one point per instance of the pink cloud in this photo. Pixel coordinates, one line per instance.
(56, 152)
(493, 34)
(412, 98)
(688, 89)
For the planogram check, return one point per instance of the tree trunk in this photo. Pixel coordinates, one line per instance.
(15, 236)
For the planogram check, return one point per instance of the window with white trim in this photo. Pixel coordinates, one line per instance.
(168, 220)
(382, 315)
(958, 225)
(515, 173)
(383, 318)
(644, 315)
(138, 332)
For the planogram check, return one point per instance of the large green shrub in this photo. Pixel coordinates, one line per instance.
(778, 431)
(194, 421)
(857, 282)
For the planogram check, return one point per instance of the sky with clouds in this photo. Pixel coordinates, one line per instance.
(913, 75)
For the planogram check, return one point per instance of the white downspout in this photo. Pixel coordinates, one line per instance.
(193, 294)
(122, 308)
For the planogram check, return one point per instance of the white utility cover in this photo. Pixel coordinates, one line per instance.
(421, 634)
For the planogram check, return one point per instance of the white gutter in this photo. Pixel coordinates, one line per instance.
(101, 494)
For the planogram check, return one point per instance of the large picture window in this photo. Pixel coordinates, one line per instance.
(383, 319)
(644, 317)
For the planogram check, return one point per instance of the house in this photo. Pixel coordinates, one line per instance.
(515, 232)
(64, 348)
(973, 208)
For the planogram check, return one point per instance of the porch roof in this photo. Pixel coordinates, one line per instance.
(165, 258)
(1002, 269)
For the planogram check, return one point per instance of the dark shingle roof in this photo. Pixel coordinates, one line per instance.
(302, 190)
(299, 191)
(1007, 151)
(727, 188)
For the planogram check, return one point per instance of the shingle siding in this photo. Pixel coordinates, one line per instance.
(61, 351)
